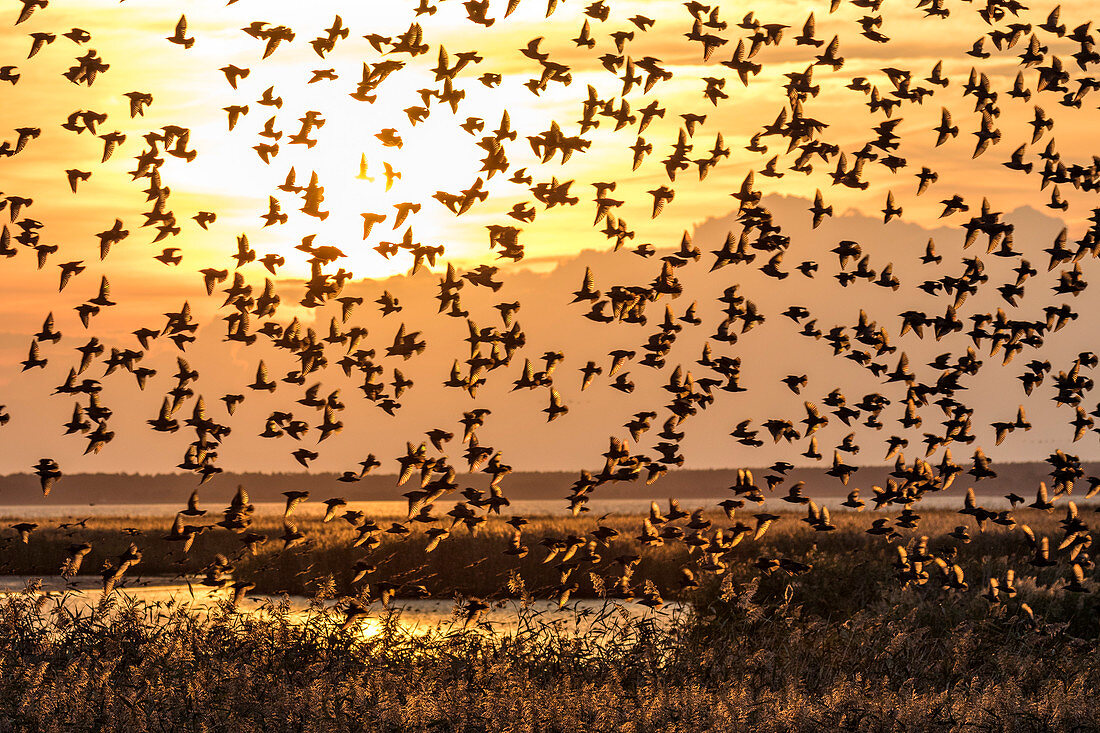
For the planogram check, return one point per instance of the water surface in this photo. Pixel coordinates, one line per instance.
(522, 507)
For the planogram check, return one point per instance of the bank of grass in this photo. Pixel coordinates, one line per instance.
(476, 565)
(851, 570)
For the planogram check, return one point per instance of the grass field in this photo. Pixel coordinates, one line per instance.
(846, 644)
(846, 564)
(744, 660)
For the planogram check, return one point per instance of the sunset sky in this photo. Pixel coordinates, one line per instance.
(229, 178)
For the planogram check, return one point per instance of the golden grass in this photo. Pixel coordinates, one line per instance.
(476, 565)
(844, 646)
(911, 662)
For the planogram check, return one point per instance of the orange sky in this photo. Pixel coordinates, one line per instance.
(227, 177)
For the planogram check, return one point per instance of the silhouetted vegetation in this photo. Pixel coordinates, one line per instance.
(848, 568)
(743, 660)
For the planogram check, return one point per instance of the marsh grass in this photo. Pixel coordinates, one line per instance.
(741, 661)
(842, 647)
(850, 567)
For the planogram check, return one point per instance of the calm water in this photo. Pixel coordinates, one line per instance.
(416, 616)
(527, 508)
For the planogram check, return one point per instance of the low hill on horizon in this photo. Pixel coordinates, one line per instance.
(123, 489)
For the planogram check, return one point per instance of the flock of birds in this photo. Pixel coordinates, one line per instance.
(760, 243)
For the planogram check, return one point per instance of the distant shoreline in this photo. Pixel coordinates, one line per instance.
(129, 489)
